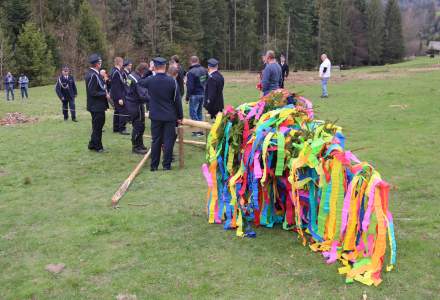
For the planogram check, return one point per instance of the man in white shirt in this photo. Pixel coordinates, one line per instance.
(324, 74)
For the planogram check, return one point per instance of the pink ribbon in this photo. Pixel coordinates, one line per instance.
(207, 175)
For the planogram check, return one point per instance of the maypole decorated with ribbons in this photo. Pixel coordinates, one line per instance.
(270, 162)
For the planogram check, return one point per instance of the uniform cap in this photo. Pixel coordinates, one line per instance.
(94, 58)
(212, 62)
(159, 61)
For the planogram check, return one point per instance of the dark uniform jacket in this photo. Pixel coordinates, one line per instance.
(96, 93)
(214, 93)
(136, 94)
(163, 97)
(66, 88)
(118, 87)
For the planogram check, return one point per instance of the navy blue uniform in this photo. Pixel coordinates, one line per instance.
(214, 102)
(97, 104)
(136, 99)
(284, 74)
(117, 92)
(165, 109)
(67, 92)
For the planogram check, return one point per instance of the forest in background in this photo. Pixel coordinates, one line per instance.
(38, 36)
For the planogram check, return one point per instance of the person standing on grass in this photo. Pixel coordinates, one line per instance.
(195, 90)
(324, 74)
(67, 92)
(23, 82)
(97, 102)
(284, 70)
(136, 99)
(118, 79)
(165, 110)
(214, 102)
(271, 74)
(9, 82)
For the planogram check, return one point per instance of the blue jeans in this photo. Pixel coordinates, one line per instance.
(24, 92)
(9, 90)
(324, 82)
(195, 107)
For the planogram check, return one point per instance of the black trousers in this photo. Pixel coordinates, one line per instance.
(98, 121)
(120, 118)
(137, 117)
(163, 133)
(69, 103)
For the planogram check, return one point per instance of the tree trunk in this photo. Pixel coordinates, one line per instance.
(288, 39)
(267, 23)
(171, 21)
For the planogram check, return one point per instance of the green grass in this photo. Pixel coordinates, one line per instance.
(166, 249)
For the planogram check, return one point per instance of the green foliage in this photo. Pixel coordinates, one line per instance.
(394, 48)
(7, 61)
(90, 35)
(14, 14)
(32, 57)
(376, 27)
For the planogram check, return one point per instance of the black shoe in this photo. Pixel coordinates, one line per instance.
(194, 133)
(139, 151)
(65, 119)
(153, 169)
(124, 132)
(167, 168)
(200, 134)
(74, 120)
(143, 147)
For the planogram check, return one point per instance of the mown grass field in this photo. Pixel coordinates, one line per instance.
(55, 194)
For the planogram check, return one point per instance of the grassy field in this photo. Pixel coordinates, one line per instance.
(55, 194)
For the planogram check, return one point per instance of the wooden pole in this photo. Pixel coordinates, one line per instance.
(124, 187)
(198, 124)
(181, 151)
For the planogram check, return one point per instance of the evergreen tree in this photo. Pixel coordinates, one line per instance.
(6, 55)
(15, 13)
(376, 26)
(358, 24)
(188, 31)
(246, 47)
(301, 52)
(394, 48)
(91, 38)
(32, 56)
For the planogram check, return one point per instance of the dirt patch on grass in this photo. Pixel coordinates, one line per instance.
(16, 118)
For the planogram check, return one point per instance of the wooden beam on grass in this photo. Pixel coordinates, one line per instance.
(124, 187)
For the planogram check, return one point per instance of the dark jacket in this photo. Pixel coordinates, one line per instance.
(9, 83)
(196, 81)
(271, 78)
(96, 93)
(136, 94)
(163, 97)
(66, 88)
(284, 73)
(118, 86)
(180, 80)
(214, 93)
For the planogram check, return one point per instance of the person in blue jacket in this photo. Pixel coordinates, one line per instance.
(196, 78)
(272, 74)
(9, 82)
(165, 106)
(135, 101)
(67, 92)
(23, 82)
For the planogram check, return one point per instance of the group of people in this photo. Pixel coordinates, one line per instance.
(273, 73)
(149, 87)
(9, 84)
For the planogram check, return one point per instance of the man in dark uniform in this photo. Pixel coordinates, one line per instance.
(97, 101)
(66, 91)
(117, 93)
(135, 101)
(165, 109)
(214, 89)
